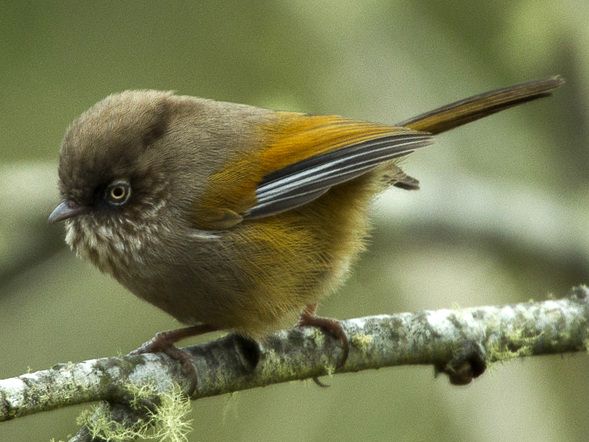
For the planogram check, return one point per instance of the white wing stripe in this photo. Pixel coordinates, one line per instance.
(369, 149)
(301, 178)
(353, 169)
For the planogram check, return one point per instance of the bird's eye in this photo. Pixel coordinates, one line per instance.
(118, 192)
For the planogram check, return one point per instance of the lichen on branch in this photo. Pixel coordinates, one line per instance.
(460, 343)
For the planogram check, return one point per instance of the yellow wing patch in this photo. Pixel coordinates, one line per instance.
(298, 137)
(289, 139)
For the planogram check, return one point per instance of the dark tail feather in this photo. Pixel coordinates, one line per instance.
(470, 109)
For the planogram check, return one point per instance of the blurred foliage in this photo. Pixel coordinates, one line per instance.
(501, 216)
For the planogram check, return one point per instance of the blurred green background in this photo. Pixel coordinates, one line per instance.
(502, 215)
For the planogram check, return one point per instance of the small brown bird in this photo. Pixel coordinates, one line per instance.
(232, 217)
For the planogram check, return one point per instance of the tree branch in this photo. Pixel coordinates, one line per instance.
(459, 342)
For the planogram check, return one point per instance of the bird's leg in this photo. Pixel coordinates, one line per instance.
(330, 325)
(164, 342)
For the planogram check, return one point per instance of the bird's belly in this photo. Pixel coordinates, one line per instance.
(259, 276)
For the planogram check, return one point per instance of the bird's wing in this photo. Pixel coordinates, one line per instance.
(303, 157)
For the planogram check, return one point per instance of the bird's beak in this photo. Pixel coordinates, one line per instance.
(65, 210)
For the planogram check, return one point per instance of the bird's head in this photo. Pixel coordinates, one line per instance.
(112, 177)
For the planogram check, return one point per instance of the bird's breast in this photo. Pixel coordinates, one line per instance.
(114, 246)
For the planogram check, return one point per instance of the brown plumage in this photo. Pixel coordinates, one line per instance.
(231, 215)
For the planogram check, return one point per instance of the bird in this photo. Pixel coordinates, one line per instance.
(233, 217)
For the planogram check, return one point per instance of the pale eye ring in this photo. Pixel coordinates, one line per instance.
(118, 192)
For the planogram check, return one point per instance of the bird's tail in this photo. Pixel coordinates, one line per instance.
(479, 106)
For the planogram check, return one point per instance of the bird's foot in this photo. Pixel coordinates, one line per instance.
(331, 326)
(163, 342)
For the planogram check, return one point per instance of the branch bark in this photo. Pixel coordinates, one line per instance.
(460, 343)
